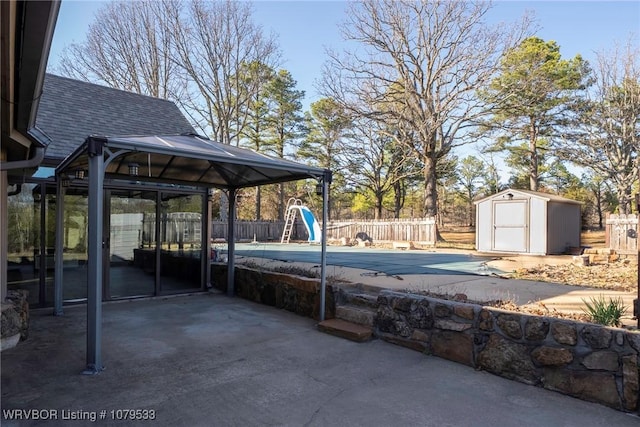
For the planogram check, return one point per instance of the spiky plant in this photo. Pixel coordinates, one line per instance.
(605, 312)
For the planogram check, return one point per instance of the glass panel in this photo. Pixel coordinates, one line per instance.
(50, 244)
(23, 234)
(181, 237)
(132, 244)
(44, 172)
(76, 221)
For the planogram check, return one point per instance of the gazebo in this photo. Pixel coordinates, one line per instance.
(173, 160)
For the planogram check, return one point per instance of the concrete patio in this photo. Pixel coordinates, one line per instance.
(208, 359)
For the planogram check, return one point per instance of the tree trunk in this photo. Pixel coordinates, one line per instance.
(430, 187)
(533, 167)
(378, 210)
(624, 199)
(399, 194)
(599, 209)
(224, 206)
(281, 202)
(431, 192)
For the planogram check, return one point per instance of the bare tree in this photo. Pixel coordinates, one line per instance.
(377, 164)
(603, 197)
(193, 52)
(471, 170)
(426, 59)
(128, 47)
(609, 140)
(214, 42)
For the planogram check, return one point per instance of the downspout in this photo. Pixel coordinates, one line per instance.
(33, 162)
(18, 190)
(40, 140)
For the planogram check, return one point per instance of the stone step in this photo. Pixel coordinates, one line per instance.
(353, 314)
(344, 329)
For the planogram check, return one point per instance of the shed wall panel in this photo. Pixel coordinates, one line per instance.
(484, 226)
(538, 226)
(564, 227)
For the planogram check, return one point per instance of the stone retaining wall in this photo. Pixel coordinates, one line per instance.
(297, 294)
(587, 361)
(15, 319)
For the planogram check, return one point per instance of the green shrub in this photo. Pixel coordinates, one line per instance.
(605, 312)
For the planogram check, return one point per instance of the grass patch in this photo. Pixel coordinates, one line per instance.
(605, 312)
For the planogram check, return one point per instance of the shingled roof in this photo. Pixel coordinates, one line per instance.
(71, 110)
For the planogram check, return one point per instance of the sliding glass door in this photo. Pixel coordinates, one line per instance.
(148, 257)
(130, 249)
(181, 242)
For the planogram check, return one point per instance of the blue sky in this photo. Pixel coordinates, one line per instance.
(306, 28)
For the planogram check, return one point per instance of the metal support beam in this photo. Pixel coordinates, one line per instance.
(636, 302)
(207, 236)
(323, 259)
(94, 264)
(59, 249)
(231, 244)
(42, 272)
(158, 243)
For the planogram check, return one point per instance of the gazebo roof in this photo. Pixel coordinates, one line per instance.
(187, 160)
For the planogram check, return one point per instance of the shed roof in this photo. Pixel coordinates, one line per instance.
(70, 110)
(188, 160)
(535, 194)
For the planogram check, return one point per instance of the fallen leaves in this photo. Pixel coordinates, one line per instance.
(617, 276)
(540, 309)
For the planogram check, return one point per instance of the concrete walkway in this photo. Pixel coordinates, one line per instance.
(210, 360)
(444, 271)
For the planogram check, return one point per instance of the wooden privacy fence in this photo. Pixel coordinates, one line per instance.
(622, 233)
(388, 230)
(262, 231)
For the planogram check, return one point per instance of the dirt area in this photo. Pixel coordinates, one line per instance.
(616, 276)
(620, 275)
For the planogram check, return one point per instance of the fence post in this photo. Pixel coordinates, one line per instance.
(607, 230)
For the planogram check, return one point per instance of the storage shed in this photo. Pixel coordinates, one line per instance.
(527, 222)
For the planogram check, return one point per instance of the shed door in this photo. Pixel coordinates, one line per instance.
(510, 226)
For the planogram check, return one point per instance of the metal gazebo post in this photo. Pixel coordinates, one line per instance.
(636, 302)
(326, 180)
(231, 243)
(94, 261)
(59, 242)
